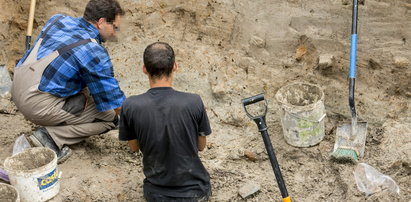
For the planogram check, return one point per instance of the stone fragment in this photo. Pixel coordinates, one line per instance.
(7, 106)
(5, 81)
(219, 89)
(257, 41)
(374, 64)
(401, 62)
(345, 2)
(326, 61)
(250, 155)
(234, 155)
(248, 189)
(245, 63)
(300, 52)
(211, 145)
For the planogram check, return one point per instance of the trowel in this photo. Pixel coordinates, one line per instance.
(350, 140)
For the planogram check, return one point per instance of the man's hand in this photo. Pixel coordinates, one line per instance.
(117, 110)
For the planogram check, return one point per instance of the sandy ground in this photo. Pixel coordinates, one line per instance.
(228, 50)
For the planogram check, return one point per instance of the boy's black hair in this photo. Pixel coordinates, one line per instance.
(159, 59)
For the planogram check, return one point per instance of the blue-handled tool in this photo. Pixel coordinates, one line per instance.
(350, 138)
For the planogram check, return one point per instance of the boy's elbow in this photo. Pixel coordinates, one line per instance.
(134, 149)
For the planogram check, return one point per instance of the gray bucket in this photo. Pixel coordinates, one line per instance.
(302, 113)
(8, 193)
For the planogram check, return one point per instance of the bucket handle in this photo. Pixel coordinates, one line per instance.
(313, 121)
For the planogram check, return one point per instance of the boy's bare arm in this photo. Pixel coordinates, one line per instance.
(134, 146)
(202, 141)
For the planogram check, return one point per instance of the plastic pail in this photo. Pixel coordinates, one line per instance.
(34, 174)
(302, 113)
(8, 193)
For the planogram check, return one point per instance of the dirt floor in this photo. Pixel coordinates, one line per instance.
(231, 49)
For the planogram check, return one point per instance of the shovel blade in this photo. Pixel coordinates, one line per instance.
(346, 140)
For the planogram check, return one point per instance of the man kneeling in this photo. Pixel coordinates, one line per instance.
(169, 127)
(66, 83)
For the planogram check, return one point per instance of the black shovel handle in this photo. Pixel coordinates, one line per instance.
(262, 127)
(274, 165)
(253, 99)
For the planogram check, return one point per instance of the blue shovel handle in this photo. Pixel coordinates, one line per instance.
(353, 57)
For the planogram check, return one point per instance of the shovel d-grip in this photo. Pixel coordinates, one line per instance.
(262, 127)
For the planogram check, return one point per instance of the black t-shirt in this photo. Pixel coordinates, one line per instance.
(167, 124)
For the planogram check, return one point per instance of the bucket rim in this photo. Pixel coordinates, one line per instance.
(312, 105)
(13, 188)
(8, 185)
(52, 163)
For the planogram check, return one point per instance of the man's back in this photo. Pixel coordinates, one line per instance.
(167, 124)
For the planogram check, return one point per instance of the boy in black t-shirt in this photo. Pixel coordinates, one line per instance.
(169, 127)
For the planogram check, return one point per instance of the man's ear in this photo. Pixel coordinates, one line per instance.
(100, 22)
(175, 67)
(145, 70)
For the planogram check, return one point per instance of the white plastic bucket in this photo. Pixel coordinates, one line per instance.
(8, 193)
(34, 174)
(302, 113)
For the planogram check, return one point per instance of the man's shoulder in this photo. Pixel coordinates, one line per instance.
(55, 16)
(72, 29)
(65, 20)
(188, 100)
(135, 100)
(188, 95)
(180, 97)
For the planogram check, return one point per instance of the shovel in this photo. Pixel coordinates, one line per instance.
(350, 140)
(30, 24)
(262, 127)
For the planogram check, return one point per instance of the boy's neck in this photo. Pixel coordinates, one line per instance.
(161, 82)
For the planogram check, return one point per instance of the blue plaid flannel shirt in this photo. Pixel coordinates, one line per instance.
(88, 65)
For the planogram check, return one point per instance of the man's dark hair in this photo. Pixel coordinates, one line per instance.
(107, 9)
(159, 59)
